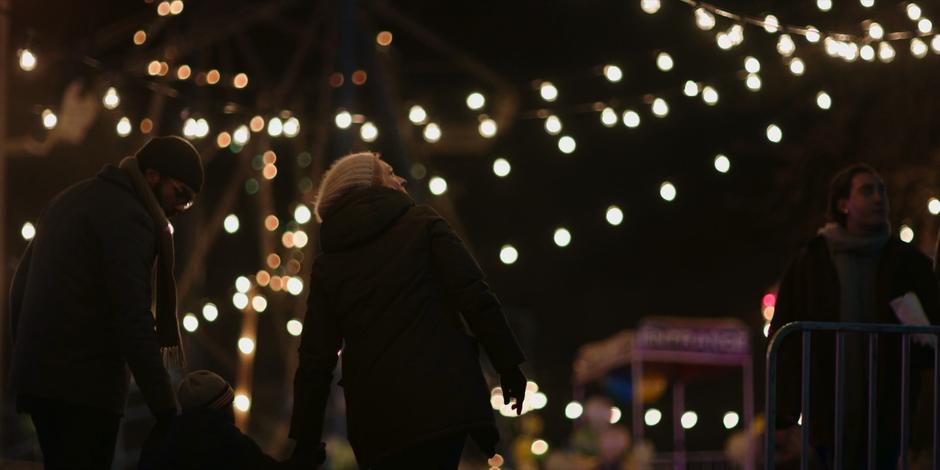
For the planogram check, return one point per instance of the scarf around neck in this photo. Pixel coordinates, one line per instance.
(167, 323)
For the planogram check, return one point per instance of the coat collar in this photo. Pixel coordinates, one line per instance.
(362, 215)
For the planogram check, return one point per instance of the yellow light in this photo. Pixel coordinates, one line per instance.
(667, 191)
(476, 100)
(785, 45)
(774, 133)
(508, 254)
(614, 216)
(140, 37)
(302, 214)
(368, 132)
(736, 34)
(609, 117)
(567, 144)
(213, 77)
(432, 132)
(163, 8)
(631, 118)
(689, 419)
(690, 89)
(709, 95)
(540, 447)
(885, 52)
(537, 400)
(933, 205)
(824, 5)
(875, 31)
(111, 99)
(259, 303)
(723, 41)
(613, 73)
(660, 107)
(176, 7)
(295, 327)
(496, 461)
(242, 284)
(664, 61)
(240, 300)
(224, 139)
(501, 167)
(123, 127)
(27, 60)
(906, 234)
(487, 128)
(771, 24)
(548, 91)
(183, 72)
(300, 239)
(262, 277)
(704, 19)
(652, 417)
(240, 81)
(751, 64)
(867, 3)
(153, 68)
(343, 119)
(918, 48)
(935, 44)
(553, 125)
(562, 237)
(273, 260)
(190, 322)
(49, 119)
(913, 11)
(812, 34)
(295, 286)
(823, 100)
(231, 223)
(650, 6)
(417, 115)
(271, 222)
(256, 124)
(146, 125)
(210, 312)
(242, 402)
(768, 312)
(730, 420)
(753, 82)
(269, 172)
(797, 67)
(291, 127)
(384, 38)
(276, 127)
(615, 415)
(28, 231)
(722, 164)
(573, 410)
(437, 185)
(867, 53)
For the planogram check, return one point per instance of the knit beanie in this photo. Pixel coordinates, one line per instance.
(204, 389)
(355, 171)
(175, 157)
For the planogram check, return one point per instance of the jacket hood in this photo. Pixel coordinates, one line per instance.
(114, 175)
(362, 215)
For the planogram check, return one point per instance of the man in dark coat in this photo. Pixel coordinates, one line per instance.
(397, 295)
(850, 272)
(81, 303)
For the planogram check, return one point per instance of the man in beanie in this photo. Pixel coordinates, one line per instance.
(204, 435)
(81, 302)
(399, 292)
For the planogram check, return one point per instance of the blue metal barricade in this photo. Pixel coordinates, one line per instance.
(841, 329)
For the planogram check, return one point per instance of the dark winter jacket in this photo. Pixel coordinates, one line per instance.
(203, 439)
(81, 297)
(398, 291)
(810, 291)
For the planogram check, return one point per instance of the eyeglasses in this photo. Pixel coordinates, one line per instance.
(182, 195)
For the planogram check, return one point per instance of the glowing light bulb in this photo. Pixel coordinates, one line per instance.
(368, 132)
(730, 420)
(650, 6)
(573, 410)
(548, 91)
(918, 48)
(771, 24)
(797, 67)
(111, 99)
(906, 234)
(688, 419)
(190, 323)
(553, 125)
(867, 53)
(417, 115)
(276, 126)
(343, 119)
(49, 119)
(210, 312)
(562, 237)
(660, 107)
(704, 19)
(652, 417)
(432, 132)
(913, 11)
(690, 89)
(824, 5)
(614, 216)
(631, 118)
(812, 34)
(667, 191)
(437, 185)
(710, 95)
(722, 164)
(609, 117)
(28, 231)
(724, 41)
(935, 44)
(924, 25)
(123, 127)
(664, 61)
(476, 101)
(295, 327)
(28, 60)
(241, 135)
(487, 128)
(753, 82)
(933, 205)
(242, 402)
(613, 73)
(885, 52)
(823, 100)
(875, 31)
(774, 133)
(785, 45)
(291, 127)
(501, 167)
(508, 254)
(751, 64)
(231, 223)
(567, 144)
(246, 345)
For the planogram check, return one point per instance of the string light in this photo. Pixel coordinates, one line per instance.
(812, 34)
(650, 6)
(417, 115)
(736, 35)
(631, 118)
(609, 117)
(123, 127)
(867, 53)
(867, 3)
(567, 144)
(875, 31)
(501, 167)
(704, 19)
(906, 234)
(190, 323)
(111, 99)
(548, 91)
(246, 345)
(176, 7)
(824, 5)
(562, 237)
(753, 82)
(432, 132)
(553, 125)
(933, 205)
(508, 254)
(487, 128)
(688, 419)
(384, 38)
(797, 67)
(664, 61)
(660, 107)
(913, 11)
(774, 133)
(771, 24)
(539, 446)
(785, 45)
(615, 415)
(573, 410)
(292, 127)
(259, 303)
(613, 73)
(240, 300)
(368, 132)
(710, 95)
(476, 101)
(690, 88)
(295, 327)
(935, 44)
(652, 417)
(437, 185)
(918, 48)
(302, 214)
(823, 100)
(28, 232)
(885, 52)
(49, 119)
(231, 223)
(240, 81)
(163, 8)
(730, 420)
(140, 37)
(724, 41)
(614, 216)
(241, 135)
(751, 64)
(210, 312)
(667, 191)
(242, 402)
(722, 164)
(28, 60)
(295, 286)
(276, 126)
(242, 284)
(213, 77)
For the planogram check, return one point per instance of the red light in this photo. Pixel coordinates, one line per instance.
(770, 300)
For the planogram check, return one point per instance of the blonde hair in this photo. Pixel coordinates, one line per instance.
(353, 171)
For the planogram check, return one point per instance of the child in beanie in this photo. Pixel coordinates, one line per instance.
(204, 435)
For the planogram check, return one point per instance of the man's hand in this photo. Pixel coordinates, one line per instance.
(513, 383)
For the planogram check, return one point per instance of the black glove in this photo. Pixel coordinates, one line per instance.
(307, 456)
(513, 383)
